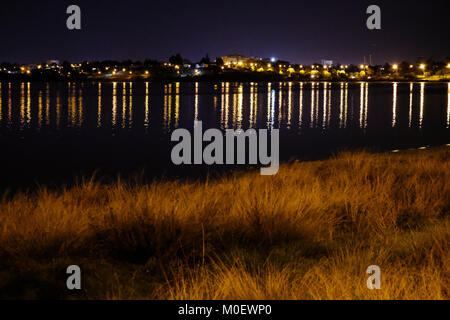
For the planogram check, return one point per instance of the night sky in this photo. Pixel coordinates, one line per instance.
(298, 31)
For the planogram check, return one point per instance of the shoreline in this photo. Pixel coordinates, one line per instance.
(213, 79)
(185, 173)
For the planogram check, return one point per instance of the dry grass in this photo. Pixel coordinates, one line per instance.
(308, 232)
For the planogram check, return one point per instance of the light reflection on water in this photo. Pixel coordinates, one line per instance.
(147, 110)
(448, 105)
(292, 106)
(422, 102)
(394, 105)
(99, 111)
(411, 87)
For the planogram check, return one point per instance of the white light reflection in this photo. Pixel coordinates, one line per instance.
(394, 105)
(422, 100)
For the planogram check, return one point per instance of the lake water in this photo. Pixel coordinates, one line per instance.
(53, 131)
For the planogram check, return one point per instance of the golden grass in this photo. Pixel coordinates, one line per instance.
(308, 232)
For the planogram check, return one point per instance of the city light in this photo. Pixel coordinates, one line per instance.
(322, 71)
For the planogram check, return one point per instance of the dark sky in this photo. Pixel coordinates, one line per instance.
(298, 31)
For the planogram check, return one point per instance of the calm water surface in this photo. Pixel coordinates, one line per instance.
(53, 131)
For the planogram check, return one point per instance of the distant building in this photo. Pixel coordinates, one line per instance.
(328, 63)
(233, 59)
(237, 59)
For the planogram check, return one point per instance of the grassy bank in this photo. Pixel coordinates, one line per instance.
(308, 232)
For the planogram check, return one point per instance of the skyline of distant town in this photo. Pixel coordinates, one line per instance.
(235, 66)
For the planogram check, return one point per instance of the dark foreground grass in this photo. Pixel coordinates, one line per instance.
(308, 232)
